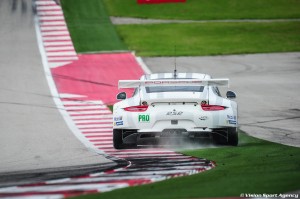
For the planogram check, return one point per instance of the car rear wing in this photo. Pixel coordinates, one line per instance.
(173, 82)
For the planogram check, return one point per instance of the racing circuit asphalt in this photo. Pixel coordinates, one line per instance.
(34, 135)
(34, 138)
(38, 150)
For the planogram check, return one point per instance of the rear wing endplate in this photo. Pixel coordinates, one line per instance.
(173, 82)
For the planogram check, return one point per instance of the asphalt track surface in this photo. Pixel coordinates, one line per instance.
(34, 137)
(79, 85)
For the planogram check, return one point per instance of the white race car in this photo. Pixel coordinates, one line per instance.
(176, 105)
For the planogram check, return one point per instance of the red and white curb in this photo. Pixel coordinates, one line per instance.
(55, 35)
(91, 122)
(151, 170)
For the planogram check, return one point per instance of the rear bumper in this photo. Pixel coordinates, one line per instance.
(138, 136)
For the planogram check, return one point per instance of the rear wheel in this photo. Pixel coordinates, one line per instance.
(233, 138)
(227, 136)
(118, 140)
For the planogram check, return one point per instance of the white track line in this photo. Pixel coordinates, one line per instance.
(91, 117)
(85, 107)
(69, 121)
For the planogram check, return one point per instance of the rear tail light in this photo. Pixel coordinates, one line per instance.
(207, 107)
(136, 108)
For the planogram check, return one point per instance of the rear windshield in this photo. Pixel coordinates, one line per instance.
(159, 89)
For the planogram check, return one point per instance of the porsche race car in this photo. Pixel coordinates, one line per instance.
(174, 105)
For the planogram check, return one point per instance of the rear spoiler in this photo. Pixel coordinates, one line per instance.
(173, 82)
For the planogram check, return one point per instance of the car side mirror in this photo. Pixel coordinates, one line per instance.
(121, 96)
(230, 95)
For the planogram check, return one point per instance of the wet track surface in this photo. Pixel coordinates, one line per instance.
(81, 86)
(33, 134)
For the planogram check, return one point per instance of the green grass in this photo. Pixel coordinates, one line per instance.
(196, 39)
(92, 31)
(255, 166)
(207, 10)
(90, 27)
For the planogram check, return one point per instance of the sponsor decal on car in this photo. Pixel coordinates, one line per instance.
(231, 119)
(119, 123)
(118, 118)
(144, 118)
(203, 118)
(231, 122)
(174, 112)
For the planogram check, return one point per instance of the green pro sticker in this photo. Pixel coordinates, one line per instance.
(144, 118)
